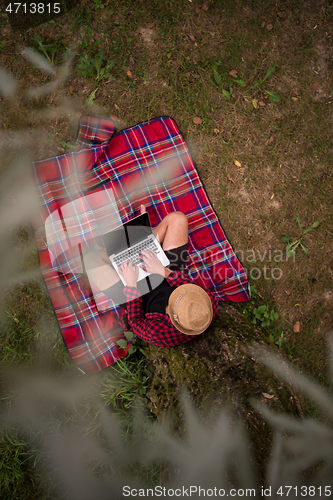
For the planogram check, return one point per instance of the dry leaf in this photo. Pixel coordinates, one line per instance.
(197, 120)
(71, 89)
(195, 75)
(261, 103)
(129, 73)
(116, 106)
(263, 24)
(60, 149)
(196, 44)
(197, 10)
(296, 327)
(78, 114)
(281, 15)
(230, 178)
(237, 163)
(269, 27)
(269, 141)
(191, 37)
(216, 130)
(233, 72)
(149, 25)
(198, 31)
(260, 295)
(272, 196)
(187, 74)
(255, 103)
(205, 7)
(268, 396)
(316, 86)
(265, 43)
(287, 292)
(294, 99)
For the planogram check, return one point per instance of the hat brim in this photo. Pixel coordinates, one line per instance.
(172, 300)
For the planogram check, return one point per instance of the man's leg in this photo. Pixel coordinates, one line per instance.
(172, 232)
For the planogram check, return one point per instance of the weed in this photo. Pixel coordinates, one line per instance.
(220, 73)
(262, 315)
(49, 50)
(98, 68)
(292, 243)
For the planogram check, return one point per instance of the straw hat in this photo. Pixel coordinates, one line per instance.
(190, 309)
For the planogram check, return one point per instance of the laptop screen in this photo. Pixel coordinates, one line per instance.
(128, 234)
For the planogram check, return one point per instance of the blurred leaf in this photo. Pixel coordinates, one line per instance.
(38, 61)
(8, 84)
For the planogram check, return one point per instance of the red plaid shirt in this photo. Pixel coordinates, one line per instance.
(157, 328)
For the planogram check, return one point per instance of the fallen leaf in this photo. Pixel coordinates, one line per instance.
(198, 31)
(205, 7)
(149, 25)
(296, 327)
(187, 74)
(60, 149)
(71, 89)
(269, 27)
(195, 75)
(260, 295)
(230, 178)
(191, 37)
(216, 130)
(129, 73)
(281, 15)
(116, 106)
(78, 114)
(197, 10)
(197, 120)
(237, 163)
(268, 396)
(265, 43)
(294, 99)
(272, 196)
(255, 103)
(196, 44)
(269, 141)
(261, 103)
(233, 72)
(263, 24)
(316, 86)
(287, 292)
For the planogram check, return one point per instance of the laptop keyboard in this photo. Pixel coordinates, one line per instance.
(133, 252)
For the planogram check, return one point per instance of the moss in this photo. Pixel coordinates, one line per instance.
(218, 370)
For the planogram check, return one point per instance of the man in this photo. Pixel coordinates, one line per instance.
(174, 312)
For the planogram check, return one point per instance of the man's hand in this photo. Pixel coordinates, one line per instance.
(151, 263)
(129, 272)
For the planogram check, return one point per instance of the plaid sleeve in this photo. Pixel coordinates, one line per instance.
(155, 327)
(177, 278)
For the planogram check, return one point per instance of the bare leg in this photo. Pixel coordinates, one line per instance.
(172, 232)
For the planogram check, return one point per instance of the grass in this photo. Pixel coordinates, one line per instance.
(170, 53)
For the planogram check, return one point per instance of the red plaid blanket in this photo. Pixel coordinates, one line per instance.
(97, 187)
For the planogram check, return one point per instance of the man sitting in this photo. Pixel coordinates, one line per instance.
(176, 310)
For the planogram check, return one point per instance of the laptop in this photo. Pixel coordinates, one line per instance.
(127, 241)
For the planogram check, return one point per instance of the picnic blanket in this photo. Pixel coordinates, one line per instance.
(85, 193)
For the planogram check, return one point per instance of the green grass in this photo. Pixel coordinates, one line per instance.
(173, 76)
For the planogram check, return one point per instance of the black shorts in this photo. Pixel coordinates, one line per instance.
(159, 296)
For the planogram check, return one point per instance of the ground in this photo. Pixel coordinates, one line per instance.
(264, 152)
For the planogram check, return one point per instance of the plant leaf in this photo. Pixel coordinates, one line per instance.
(240, 82)
(298, 220)
(122, 343)
(274, 96)
(269, 72)
(305, 249)
(226, 94)
(314, 225)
